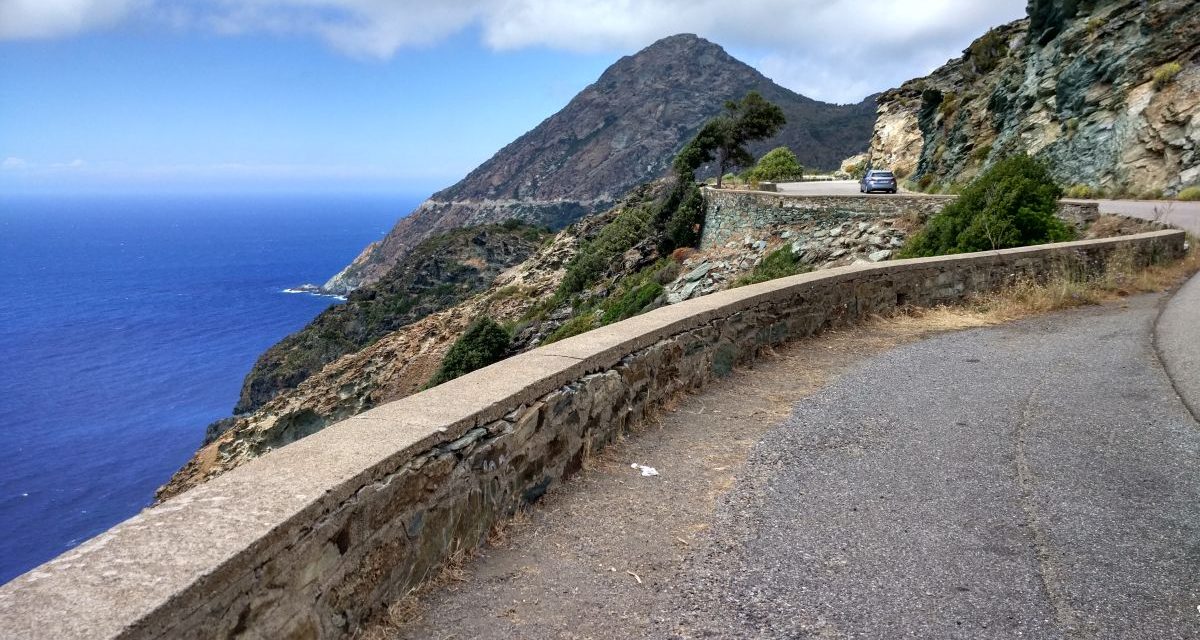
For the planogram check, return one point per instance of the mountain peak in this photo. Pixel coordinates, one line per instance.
(619, 132)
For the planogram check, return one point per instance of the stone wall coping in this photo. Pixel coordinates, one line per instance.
(166, 561)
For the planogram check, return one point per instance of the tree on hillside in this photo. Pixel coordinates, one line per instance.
(1012, 204)
(778, 164)
(725, 137)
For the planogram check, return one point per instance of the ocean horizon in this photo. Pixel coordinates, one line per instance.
(129, 324)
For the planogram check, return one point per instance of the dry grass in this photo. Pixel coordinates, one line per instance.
(1065, 290)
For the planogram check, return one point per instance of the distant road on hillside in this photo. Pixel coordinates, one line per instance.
(1185, 215)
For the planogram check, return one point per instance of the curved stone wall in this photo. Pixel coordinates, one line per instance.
(312, 539)
(730, 214)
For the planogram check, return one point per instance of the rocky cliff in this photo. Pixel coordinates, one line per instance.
(437, 274)
(1107, 90)
(619, 132)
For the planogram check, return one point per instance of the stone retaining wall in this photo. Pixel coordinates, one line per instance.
(731, 214)
(312, 539)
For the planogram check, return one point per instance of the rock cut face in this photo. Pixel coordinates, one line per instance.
(1108, 92)
(619, 132)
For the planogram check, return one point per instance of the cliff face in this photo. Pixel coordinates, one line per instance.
(437, 274)
(1108, 91)
(620, 132)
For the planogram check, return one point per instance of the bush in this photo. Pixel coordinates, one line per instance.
(631, 302)
(1190, 194)
(777, 264)
(777, 165)
(1165, 74)
(1082, 191)
(987, 52)
(483, 343)
(1010, 205)
(573, 327)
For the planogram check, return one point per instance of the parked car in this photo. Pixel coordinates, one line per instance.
(878, 181)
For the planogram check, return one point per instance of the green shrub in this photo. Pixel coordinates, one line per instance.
(982, 152)
(1190, 194)
(948, 106)
(1011, 205)
(777, 264)
(483, 343)
(987, 52)
(686, 223)
(925, 182)
(630, 303)
(777, 165)
(1165, 74)
(1082, 191)
(579, 324)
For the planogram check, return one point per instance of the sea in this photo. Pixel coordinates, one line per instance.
(127, 325)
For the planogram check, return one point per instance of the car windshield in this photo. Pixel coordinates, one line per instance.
(881, 174)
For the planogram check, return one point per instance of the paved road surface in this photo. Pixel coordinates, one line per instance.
(1179, 343)
(1038, 480)
(1185, 215)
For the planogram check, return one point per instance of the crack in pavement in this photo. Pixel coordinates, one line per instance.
(1048, 571)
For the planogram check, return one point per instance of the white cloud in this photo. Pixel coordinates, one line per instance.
(829, 49)
(20, 19)
(13, 164)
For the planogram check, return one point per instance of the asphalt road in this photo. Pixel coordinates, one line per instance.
(1185, 215)
(1039, 479)
(1178, 341)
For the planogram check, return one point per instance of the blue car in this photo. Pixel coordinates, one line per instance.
(878, 181)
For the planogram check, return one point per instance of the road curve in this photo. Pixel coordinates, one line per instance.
(1040, 479)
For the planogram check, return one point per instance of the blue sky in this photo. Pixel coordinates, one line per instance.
(382, 96)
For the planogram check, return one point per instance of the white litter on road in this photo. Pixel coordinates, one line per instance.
(646, 471)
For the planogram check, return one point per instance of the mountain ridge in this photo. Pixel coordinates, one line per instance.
(618, 132)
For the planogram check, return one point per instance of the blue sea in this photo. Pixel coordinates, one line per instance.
(127, 325)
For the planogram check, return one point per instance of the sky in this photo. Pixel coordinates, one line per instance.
(385, 96)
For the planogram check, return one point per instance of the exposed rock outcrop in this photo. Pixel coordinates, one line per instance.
(619, 132)
(1108, 91)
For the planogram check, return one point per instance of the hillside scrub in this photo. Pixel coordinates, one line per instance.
(483, 343)
(1011, 205)
(1190, 194)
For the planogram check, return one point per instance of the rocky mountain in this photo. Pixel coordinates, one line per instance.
(1107, 90)
(619, 132)
(437, 274)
